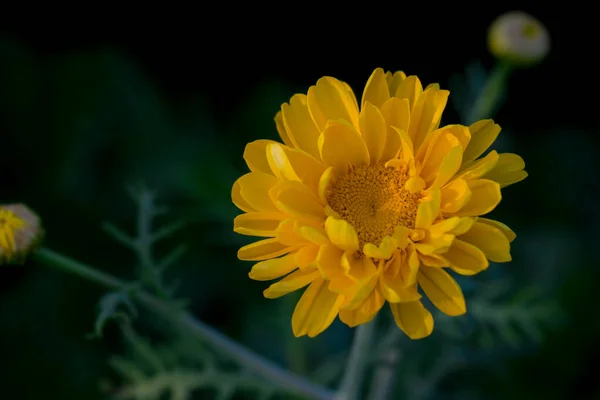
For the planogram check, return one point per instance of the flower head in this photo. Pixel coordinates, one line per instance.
(20, 232)
(367, 205)
(519, 39)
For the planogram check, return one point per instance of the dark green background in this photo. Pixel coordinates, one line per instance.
(85, 112)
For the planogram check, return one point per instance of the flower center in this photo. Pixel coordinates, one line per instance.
(374, 201)
(9, 222)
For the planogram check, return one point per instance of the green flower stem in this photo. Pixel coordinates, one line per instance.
(360, 353)
(489, 98)
(243, 356)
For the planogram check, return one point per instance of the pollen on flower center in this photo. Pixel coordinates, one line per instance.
(374, 201)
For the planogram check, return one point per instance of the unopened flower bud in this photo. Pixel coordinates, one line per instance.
(20, 233)
(519, 39)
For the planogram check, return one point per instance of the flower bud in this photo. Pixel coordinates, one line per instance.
(519, 39)
(20, 233)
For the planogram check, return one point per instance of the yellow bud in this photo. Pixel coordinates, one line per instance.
(519, 39)
(20, 233)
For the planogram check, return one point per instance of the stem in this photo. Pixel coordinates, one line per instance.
(357, 363)
(489, 98)
(243, 356)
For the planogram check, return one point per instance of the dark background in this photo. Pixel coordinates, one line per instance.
(86, 110)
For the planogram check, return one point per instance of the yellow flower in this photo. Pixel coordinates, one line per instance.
(365, 205)
(20, 232)
(519, 39)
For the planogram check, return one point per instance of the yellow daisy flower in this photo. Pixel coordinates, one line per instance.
(20, 232)
(367, 205)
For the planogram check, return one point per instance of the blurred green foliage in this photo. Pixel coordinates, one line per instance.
(79, 128)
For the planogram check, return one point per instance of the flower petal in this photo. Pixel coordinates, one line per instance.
(295, 198)
(365, 312)
(442, 159)
(329, 261)
(490, 240)
(410, 89)
(306, 167)
(263, 250)
(316, 310)
(306, 256)
(279, 163)
(426, 114)
(342, 234)
(442, 290)
(294, 281)
(480, 167)
(483, 134)
(274, 268)
(485, 196)
(257, 223)
(396, 113)
(340, 146)
(299, 125)
(373, 130)
(376, 90)
(254, 189)
(508, 170)
(238, 200)
(465, 258)
(510, 235)
(394, 80)
(413, 319)
(281, 129)
(454, 196)
(329, 100)
(255, 155)
(428, 210)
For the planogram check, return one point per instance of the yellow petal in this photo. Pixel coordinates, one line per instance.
(508, 170)
(306, 167)
(294, 281)
(314, 235)
(373, 130)
(238, 200)
(483, 134)
(342, 234)
(490, 240)
(281, 129)
(376, 90)
(485, 196)
(295, 198)
(279, 163)
(329, 100)
(340, 146)
(413, 319)
(410, 89)
(306, 256)
(480, 167)
(442, 159)
(299, 125)
(510, 235)
(454, 196)
(396, 113)
(428, 210)
(442, 290)
(316, 310)
(385, 250)
(263, 250)
(464, 224)
(356, 294)
(394, 290)
(255, 155)
(324, 182)
(257, 223)
(254, 189)
(365, 312)
(273, 269)
(329, 261)
(287, 233)
(394, 81)
(433, 260)
(461, 132)
(426, 114)
(465, 258)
